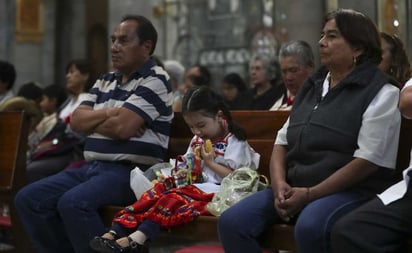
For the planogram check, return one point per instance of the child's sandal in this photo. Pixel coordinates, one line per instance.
(134, 246)
(114, 247)
(99, 243)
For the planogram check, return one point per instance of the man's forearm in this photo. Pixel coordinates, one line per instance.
(121, 124)
(110, 128)
(85, 120)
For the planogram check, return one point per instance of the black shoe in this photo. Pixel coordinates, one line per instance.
(111, 246)
(99, 244)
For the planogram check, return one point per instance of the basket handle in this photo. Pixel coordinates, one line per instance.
(264, 179)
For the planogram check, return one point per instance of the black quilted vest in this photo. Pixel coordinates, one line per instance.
(322, 134)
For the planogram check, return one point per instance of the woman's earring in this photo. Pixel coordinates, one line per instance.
(354, 60)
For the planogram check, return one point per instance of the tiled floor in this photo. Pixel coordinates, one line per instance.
(163, 245)
(159, 246)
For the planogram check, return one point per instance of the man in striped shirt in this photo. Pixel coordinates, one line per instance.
(127, 117)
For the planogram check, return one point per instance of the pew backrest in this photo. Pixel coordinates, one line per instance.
(261, 128)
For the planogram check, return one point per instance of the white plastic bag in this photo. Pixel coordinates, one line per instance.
(234, 187)
(139, 182)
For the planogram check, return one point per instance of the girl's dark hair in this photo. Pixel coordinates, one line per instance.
(56, 91)
(236, 80)
(400, 67)
(207, 102)
(359, 31)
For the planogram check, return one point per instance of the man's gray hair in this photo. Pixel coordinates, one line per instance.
(300, 49)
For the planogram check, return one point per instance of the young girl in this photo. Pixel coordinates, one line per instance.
(208, 118)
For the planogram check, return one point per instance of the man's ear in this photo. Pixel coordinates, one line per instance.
(148, 45)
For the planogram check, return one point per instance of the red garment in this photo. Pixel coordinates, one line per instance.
(168, 208)
(289, 101)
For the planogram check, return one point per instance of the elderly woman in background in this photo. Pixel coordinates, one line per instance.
(394, 58)
(337, 149)
(265, 83)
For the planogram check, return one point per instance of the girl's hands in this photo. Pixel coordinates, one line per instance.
(208, 157)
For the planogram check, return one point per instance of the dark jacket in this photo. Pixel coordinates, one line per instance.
(266, 100)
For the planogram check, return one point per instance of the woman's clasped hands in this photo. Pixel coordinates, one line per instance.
(289, 201)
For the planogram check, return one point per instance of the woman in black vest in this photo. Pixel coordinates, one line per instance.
(336, 151)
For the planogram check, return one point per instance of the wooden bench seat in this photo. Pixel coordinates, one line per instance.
(14, 130)
(261, 128)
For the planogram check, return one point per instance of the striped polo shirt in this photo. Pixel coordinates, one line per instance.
(148, 94)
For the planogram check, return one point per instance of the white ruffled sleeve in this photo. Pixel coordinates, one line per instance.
(240, 154)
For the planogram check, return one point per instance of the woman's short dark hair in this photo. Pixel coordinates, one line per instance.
(82, 65)
(359, 31)
(145, 29)
(85, 67)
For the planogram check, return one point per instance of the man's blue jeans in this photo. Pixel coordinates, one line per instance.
(241, 225)
(60, 212)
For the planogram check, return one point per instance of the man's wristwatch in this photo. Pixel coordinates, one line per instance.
(55, 141)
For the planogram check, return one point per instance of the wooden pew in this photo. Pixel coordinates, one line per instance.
(14, 129)
(261, 128)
